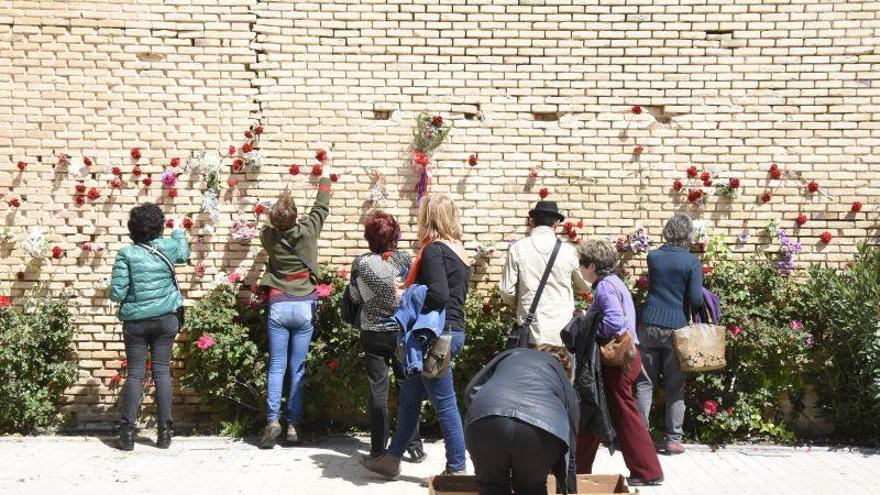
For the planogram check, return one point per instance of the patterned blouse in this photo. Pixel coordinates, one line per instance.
(373, 286)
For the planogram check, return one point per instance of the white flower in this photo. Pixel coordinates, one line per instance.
(243, 230)
(700, 232)
(6, 235)
(211, 205)
(77, 168)
(208, 229)
(220, 279)
(253, 160)
(36, 244)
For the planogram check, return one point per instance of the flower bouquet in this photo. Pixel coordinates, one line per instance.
(429, 134)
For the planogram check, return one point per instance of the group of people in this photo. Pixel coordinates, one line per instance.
(542, 406)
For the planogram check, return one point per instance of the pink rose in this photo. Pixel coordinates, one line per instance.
(796, 325)
(710, 407)
(205, 342)
(324, 291)
(735, 330)
(233, 278)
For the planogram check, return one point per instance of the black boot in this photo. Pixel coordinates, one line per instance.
(126, 437)
(163, 441)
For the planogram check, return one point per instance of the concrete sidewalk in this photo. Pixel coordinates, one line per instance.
(217, 466)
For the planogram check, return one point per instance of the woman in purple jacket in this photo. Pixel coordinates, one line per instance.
(613, 303)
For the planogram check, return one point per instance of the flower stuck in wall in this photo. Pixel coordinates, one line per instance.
(35, 244)
(428, 135)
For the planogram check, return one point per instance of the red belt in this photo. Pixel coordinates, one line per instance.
(297, 276)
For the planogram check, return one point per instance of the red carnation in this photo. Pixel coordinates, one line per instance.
(568, 226)
(636, 109)
(320, 155)
(116, 378)
(249, 134)
(148, 181)
(421, 159)
(825, 237)
(258, 130)
(705, 177)
(14, 202)
(169, 223)
(334, 178)
(21, 166)
(116, 183)
(543, 193)
(707, 269)
(172, 193)
(677, 185)
(472, 160)
(187, 223)
(775, 173)
(237, 165)
(856, 207)
(813, 186)
(580, 224)
(136, 171)
(637, 150)
(94, 194)
(765, 198)
(247, 148)
(437, 121)
(586, 296)
(694, 195)
(294, 169)
(57, 252)
(87, 161)
(136, 153)
(231, 182)
(259, 209)
(175, 162)
(801, 219)
(692, 172)
(710, 407)
(231, 150)
(572, 234)
(80, 189)
(534, 173)
(79, 199)
(317, 169)
(116, 171)
(333, 364)
(734, 183)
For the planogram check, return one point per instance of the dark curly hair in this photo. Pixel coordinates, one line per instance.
(145, 223)
(381, 232)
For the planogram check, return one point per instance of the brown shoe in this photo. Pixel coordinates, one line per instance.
(292, 437)
(270, 435)
(385, 465)
(674, 448)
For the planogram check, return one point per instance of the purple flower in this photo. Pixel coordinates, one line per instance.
(169, 178)
(809, 342)
(743, 237)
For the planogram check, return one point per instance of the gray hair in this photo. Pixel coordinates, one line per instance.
(678, 230)
(601, 253)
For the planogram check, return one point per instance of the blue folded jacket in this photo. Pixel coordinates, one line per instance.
(416, 327)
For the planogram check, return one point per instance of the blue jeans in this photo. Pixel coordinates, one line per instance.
(442, 395)
(290, 334)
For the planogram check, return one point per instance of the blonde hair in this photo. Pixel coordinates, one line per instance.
(601, 253)
(283, 214)
(438, 219)
(562, 355)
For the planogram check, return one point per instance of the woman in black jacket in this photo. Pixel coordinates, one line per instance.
(522, 419)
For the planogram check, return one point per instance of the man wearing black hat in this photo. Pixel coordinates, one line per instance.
(526, 262)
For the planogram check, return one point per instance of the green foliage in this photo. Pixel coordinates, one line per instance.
(427, 136)
(36, 361)
(841, 311)
(231, 373)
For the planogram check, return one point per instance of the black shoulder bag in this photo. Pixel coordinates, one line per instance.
(170, 265)
(350, 312)
(519, 334)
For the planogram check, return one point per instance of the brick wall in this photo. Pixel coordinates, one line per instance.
(729, 87)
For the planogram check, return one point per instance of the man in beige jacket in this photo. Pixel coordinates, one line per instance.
(526, 262)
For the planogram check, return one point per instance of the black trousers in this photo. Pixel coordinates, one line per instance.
(155, 335)
(379, 349)
(509, 453)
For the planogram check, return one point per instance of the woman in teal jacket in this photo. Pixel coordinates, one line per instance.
(145, 286)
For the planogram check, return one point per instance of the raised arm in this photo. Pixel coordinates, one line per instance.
(182, 246)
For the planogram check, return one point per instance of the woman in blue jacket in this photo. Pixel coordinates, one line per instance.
(676, 286)
(145, 285)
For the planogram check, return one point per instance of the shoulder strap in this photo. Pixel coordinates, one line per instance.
(530, 316)
(164, 258)
(309, 265)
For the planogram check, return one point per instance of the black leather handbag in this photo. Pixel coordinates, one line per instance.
(519, 334)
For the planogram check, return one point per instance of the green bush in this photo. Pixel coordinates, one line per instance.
(36, 361)
(840, 310)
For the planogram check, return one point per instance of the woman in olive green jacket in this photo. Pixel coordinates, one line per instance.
(145, 286)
